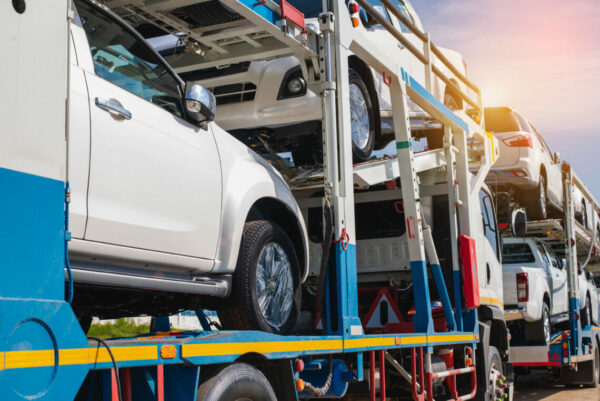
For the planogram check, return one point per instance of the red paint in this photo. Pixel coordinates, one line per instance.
(160, 383)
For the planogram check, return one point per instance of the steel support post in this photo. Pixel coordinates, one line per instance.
(412, 207)
(571, 256)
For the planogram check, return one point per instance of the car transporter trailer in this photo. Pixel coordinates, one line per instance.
(574, 345)
(44, 354)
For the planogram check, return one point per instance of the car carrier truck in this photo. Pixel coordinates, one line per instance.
(452, 342)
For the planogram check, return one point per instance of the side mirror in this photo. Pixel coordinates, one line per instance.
(519, 222)
(556, 157)
(563, 263)
(200, 104)
(589, 275)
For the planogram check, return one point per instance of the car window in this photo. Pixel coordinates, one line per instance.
(552, 256)
(541, 139)
(522, 122)
(126, 61)
(402, 8)
(310, 8)
(490, 227)
(517, 253)
(500, 119)
(380, 219)
(543, 253)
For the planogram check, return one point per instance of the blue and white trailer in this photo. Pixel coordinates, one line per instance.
(44, 353)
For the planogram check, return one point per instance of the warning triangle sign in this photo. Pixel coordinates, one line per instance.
(383, 311)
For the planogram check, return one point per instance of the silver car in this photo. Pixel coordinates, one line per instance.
(526, 169)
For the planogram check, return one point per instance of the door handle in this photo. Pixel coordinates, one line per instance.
(113, 106)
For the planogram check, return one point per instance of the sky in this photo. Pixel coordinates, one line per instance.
(541, 57)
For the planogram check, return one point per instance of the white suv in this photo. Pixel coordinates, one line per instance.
(168, 211)
(526, 167)
(271, 98)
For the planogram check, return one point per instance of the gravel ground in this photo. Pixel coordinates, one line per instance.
(539, 386)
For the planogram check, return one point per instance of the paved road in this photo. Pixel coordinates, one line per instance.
(539, 386)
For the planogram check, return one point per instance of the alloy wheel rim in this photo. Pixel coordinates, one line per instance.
(359, 117)
(546, 327)
(274, 284)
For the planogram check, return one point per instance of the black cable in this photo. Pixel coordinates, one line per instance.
(100, 341)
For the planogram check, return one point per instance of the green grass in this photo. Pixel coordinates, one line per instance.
(121, 328)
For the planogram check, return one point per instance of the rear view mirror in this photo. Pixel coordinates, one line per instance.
(519, 222)
(200, 104)
(589, 275)
(556, 157)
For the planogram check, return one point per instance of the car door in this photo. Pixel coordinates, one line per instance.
(490, 275)
(553, 173)
(155, 179)
(560, 293)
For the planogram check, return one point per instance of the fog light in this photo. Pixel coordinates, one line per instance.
(296, 85)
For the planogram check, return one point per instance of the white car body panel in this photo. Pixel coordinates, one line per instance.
(266, 111)
(155, 192)
(544, 279)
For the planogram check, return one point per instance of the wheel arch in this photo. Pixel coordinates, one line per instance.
(276, 211)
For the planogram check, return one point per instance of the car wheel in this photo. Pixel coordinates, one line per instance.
(435, 138)
(362, 118)
(586, 313)
(239, 381)
(211, 12)
(538, 205)
(266, 290)
(542, 327)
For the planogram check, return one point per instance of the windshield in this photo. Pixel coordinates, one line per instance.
(517, 253)
(500, 120)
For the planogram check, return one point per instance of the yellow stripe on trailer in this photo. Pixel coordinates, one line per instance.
(213, 349)
(1, 360)
(29, 359)
(490, 300)
(441, 338)
(369, 342)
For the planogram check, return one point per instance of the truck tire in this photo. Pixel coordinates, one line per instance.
(539, 333)
(595, 369)
(266, 289)
(537, 207)
(362, 119)
(239, 381)
(494, 376)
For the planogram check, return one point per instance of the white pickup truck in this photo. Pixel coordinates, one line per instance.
(535, 287)
(536, 291)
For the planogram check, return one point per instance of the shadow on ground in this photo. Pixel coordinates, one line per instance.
(541, 386)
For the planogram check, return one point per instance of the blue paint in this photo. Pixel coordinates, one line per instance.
(261, 10)
(203, 319)
(417, 87)
(422, 320)
(458, 310)
(339, 382)
(574, 323)
(440, 285)
(34, 314)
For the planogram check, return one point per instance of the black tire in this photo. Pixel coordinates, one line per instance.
(362, 151)
(595, 369)
(537, 206)
(435, 138)
(236, 382)
(244, 311)
(586, 313)
(540, 331)
(209, 13)
(493, 369)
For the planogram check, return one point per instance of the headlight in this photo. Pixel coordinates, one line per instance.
(292, 85)
(296, 85)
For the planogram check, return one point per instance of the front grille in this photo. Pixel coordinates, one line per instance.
(234, 93)
(215, 72)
